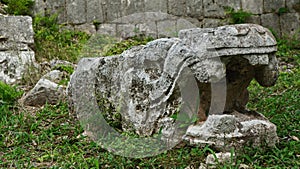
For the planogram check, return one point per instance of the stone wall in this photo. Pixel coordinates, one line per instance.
(16, 39)
(161, 18)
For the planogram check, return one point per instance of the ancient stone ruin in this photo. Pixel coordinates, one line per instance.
(16, 55)
(203, 73)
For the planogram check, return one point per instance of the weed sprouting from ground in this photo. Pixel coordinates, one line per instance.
(53, 42)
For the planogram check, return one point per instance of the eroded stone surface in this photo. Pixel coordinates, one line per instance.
(16, 56)
(235, 130)
(45, 91)
(144, 84)
(14, 64)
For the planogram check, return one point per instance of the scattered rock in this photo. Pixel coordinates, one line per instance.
(54, 76)
(44, 92)
(14, 64)
(224, 132)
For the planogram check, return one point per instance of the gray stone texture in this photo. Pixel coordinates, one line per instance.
(194, 8)
(167, 28)
(138, 18)
(142, 85)
(45, 91)
(14, 64)
(16, 56)
(293, 5)
(271, 21)
(111, 10)
(219, 159)
(212, 23)
(256, 19)
(147, 29)
(88, 28)
(213, 9)
(255, 7)
(131, 7)
(94, 11)
(273, 5)
(76, 10)
(107, 29)
(224, 132)
(59, 7)
(184, 24)
(207, 12)
(39, 7)
(216, 9)
(156, 6)
(177, 7)
(16, 29)
(290, 24)
(126, 31)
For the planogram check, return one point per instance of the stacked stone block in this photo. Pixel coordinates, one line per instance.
(282, 16)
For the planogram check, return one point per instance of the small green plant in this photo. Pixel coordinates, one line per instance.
(237, 17)
(282, 10)
(65, 68)
(18, 7)
(120, 47)
(52, 42)
(8, 94)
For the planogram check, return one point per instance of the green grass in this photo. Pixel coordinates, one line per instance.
(53, 42)
(51, 137)
(18, 7)
(281, 105)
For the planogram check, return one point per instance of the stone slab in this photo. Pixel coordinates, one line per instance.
(76, 11)
(293, 5)
(167, 28)
(156, 6)
(194, 8)
(177, 7)
(273, 5)
(290, 24)
(94, 11)
(14, 64)
(272, 22)
(255, 7)
(17, 29)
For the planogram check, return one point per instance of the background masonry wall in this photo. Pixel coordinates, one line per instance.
(163, 18)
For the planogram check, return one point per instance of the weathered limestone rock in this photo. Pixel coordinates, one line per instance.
(147, 86)
(87, 28)
(293, 22)
(215, 9)
(273, 5)
(14, 64)
(154, 24)
(224, 132)
(255, 7)
(45, 91)
(16, 35)
(271, 21)
(76, 11)
(51, 88)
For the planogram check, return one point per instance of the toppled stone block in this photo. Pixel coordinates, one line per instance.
(45, 91)
(156, 88)
(17, 33)
(223, 132)
(15, 53)
(14, 64)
